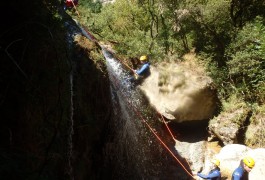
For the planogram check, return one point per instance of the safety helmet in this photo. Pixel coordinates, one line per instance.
(216, 162)
(143, 58)
(249, 161)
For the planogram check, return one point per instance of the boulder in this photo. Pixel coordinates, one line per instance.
(198, 155)
(227, 125)
(180, 93)
(192, 153)
(230, 156)
(258, 172)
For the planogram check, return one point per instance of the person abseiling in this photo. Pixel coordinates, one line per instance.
(215, 173)
(70, 4)
(143, 71)
(245, 166)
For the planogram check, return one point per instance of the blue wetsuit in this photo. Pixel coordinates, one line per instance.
(213, 175)
(144, 69)
(142, 73)
(239, 174)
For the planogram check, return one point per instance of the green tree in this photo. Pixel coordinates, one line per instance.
(243, 11)
(247, 66)
(214, 29)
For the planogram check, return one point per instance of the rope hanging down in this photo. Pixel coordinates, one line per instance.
(147, 124)
(170, 132)
(152, 130)
(125, 64)
(75, 8)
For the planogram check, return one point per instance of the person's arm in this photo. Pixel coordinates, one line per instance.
(236, 176)
(214, 174)
(142, 69)
(238, 173)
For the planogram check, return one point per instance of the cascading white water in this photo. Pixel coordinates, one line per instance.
(124, 96)
(120, 79)
(136, 154)
(72, 31)
(132, 152)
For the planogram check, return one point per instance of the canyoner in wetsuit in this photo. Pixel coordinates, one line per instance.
(142, 72)
(215, 173)
(246, 165)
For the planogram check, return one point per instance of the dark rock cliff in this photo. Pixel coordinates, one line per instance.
(38, 137)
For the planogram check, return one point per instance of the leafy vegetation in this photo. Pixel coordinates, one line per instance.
(228, 37)
(246, 66)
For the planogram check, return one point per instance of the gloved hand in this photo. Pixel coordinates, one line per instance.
(136, 76)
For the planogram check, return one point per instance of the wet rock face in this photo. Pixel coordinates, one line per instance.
(193, 153)
(179, 93)
(131, 149)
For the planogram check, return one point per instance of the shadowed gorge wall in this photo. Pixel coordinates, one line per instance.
(35, 98)
(58, 121)
(92, 111)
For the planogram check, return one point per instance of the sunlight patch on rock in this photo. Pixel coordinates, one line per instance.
(180, 91)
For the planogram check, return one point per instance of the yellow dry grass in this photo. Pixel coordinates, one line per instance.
(192, 63)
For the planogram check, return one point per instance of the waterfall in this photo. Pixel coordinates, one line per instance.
(71, 129)
(119, 78)
(135, 153)
(72, 30)
(131, 151)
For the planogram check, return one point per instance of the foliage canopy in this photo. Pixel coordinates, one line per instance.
(228, 35)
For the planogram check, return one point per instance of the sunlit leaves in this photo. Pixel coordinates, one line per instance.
(247, 65)
(162, 27)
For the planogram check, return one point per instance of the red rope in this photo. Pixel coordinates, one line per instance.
(167, 127)
(125, 64)
(91, 35)
(151, 129)
(75, 8)
(170, 132)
